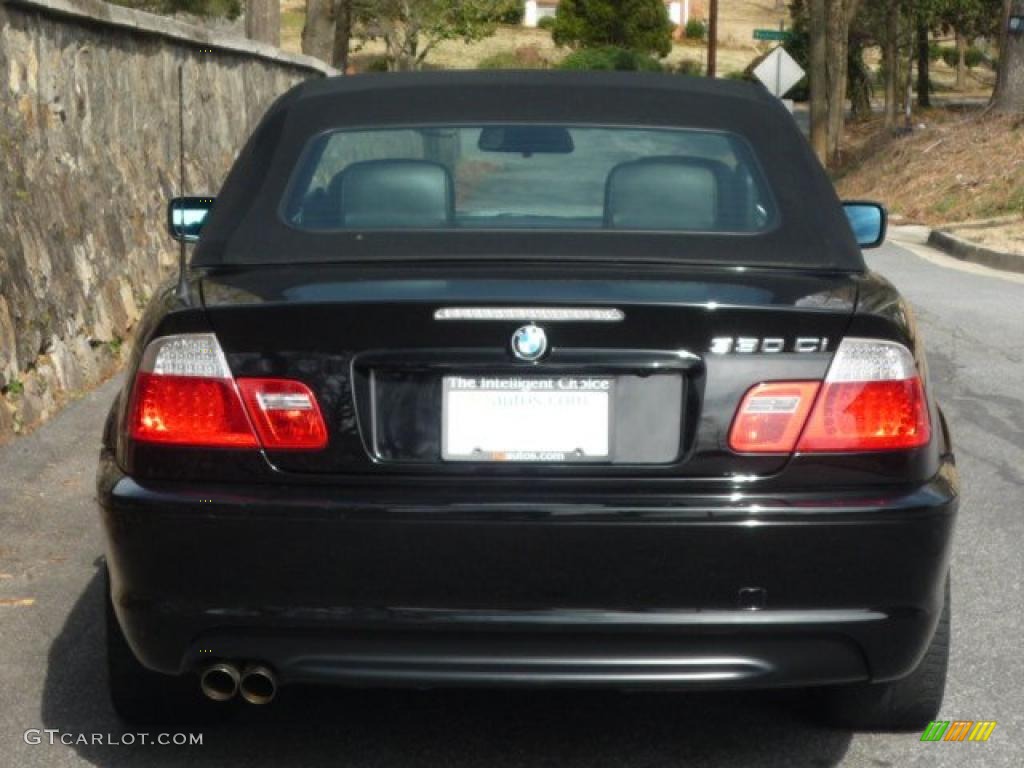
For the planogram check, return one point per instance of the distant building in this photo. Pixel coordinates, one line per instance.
(679, 11)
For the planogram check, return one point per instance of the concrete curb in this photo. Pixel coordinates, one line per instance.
(98, 12)
(961, 249)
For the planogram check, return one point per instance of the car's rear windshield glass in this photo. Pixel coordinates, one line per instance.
(540, 177)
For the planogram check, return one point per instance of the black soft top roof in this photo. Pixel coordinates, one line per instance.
(453, 81)
(245, 226)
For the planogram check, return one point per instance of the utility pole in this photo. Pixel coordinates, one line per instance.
(712, 38)
(819, 81)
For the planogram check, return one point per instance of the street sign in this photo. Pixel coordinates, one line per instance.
(772, 35)
(779, 72)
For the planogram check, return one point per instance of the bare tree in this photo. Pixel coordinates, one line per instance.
(891, 61)
(961, 61)
(1009, 93)
(924, 81)
(328, 31)
(318, 32)
(263, 21)
(344, 15)
(411, 29)
(840, 13)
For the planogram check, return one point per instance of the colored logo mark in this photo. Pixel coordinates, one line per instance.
(958, 730)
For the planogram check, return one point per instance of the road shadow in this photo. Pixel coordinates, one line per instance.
(322, 726)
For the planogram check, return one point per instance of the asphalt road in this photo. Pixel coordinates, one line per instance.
(51, 654)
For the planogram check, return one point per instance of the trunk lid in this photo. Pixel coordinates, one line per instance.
(368, 341)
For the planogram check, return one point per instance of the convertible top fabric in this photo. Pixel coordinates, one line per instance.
(246, 228)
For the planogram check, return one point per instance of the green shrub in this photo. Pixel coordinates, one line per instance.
(638, 25)
(548, 23)
(510, 12)
(696, 29)
(524, 57)
(610, 58)
(690, 68)
(974, 57)
(377, 64)
(531, 57)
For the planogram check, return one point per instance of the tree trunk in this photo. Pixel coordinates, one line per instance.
(1009, 94)
(342, 34)
(819, 81)
(858, 81)
(410, 47)
(891, 62)
(840, 14)
(924, 96)
(318, 33)
(402, 41)
(263, 21)
(908, 91)
(961, 62)
(837, 46)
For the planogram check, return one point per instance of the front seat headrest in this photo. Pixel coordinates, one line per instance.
(397, 194)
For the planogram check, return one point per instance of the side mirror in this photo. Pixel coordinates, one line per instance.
(868, 221)
(186, 216)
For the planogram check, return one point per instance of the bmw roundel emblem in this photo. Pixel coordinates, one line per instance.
(529, 343)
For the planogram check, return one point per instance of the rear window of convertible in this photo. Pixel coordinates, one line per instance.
(536, 177)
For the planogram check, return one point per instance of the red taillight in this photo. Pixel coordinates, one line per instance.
(285, 413)
(188, 410)
(771, 416)
(871, 400)
(868, 416)
(184, 394)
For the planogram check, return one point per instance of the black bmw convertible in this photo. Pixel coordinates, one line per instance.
(528, 379)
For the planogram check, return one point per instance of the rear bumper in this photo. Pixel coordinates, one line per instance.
(359, 586)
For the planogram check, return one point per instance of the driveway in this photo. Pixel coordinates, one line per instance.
(51, 638)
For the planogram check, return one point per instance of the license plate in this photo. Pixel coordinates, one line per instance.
(518, 418)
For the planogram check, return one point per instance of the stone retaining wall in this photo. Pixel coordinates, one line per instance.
(88, 159)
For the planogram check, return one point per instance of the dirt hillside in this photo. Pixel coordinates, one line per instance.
(957, 167)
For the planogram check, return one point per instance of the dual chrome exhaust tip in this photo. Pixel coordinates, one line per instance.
(222, 681)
